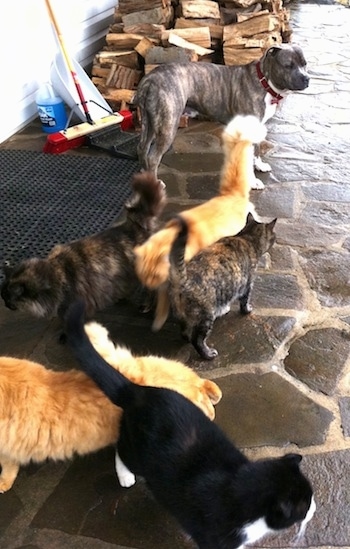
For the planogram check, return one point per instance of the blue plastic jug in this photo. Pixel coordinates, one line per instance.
(51, 110)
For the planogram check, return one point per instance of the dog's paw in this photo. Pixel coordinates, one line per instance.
(257, 184)
(261, 166)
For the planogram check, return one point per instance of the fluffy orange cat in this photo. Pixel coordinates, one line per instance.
(223, 215)
(49, 414)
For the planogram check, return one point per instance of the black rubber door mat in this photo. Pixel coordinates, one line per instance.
(48, 199)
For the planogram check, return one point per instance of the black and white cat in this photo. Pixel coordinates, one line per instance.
(219, 497)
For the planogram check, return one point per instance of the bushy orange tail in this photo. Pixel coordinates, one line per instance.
(239, 137)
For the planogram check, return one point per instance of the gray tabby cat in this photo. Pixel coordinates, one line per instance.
(204, 288)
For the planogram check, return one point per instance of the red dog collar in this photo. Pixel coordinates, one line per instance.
(276, 96)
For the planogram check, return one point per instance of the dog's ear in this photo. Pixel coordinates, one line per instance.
(273, 50)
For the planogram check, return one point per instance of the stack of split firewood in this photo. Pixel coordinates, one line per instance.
(146, 33)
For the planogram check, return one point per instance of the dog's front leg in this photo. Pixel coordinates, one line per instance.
(259, 165)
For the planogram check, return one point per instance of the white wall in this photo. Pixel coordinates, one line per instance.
(28, 45)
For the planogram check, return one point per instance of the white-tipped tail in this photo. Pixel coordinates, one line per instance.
(245, 128)
(100, 339)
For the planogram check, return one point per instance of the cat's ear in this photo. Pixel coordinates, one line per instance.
(250, 218)
(133, 202)
(272, 223)
(212, 390)
(293, 459)
(7, 268)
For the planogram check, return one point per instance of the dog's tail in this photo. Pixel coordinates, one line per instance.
(149, 196)
(178, 271)
(239, 137)
(111, 382)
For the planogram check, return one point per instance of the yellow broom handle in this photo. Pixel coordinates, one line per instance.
(68, 61)
(59, 35)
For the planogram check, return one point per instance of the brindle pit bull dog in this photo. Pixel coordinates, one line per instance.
(216, 91)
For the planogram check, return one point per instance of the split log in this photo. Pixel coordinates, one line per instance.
(111, 94)
(262, 41)
(116, 28)
(127, 58)
(241, 56)
(123, 77)
(157, 16)
(98, 82)
(176, 40)
(196, 35)
(215, 28)
(245, 3)
(123, 41)
(131, 6)
(255, 25)
(99, 71)
(148, 30)
(159, 55)
(200, 9)
(144, 46)
(243, 16)
(231, 15)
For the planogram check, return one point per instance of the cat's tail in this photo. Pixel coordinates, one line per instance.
(149, 194)
(239, 137)
(177, 271)
(114, 355)
(113, 383)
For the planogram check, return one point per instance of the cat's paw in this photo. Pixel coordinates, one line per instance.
(246, 309)
(209, 353)
(224, 310)
(126, 479)
(5, 485)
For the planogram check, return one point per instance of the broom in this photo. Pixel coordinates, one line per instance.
(75, 136)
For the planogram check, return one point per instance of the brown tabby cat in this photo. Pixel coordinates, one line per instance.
(204, 288)
(49, 414)
(221, 216)
(98, 268)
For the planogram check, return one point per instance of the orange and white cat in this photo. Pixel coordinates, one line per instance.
(49, 414)
(223, 215)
